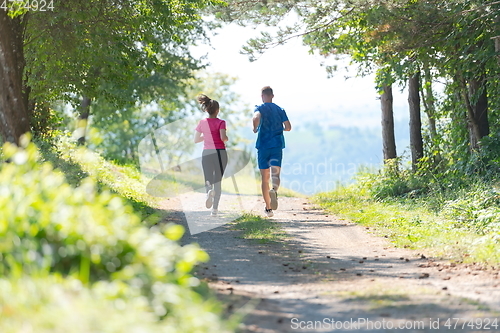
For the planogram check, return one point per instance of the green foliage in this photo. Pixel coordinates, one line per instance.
(452, 42)
(49, 228)
(393, 180)
(118, 131)
(118, 53)
(478, 210)
(78, 163)
(72, 171)
(56, 305)
(53, 304)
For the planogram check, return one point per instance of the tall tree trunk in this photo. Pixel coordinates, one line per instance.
(472, 125)
(14, 117)
(430, 110)
(478, 92)
(83, 119)
(416, 142)
(428, 101)
(388, 139)
(496, 39)
(475, 97)
(497, 47)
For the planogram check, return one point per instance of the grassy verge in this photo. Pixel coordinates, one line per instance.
(78, 163)
(260, 229)
(413, 225)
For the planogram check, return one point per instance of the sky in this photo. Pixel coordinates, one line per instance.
(300, 83)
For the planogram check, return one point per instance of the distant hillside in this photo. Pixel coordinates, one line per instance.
(320, 156)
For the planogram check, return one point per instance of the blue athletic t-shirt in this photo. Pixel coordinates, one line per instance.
(270, 130)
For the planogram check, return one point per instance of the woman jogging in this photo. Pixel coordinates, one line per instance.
(212, 131)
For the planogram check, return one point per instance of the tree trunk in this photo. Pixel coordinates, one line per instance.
(416, 142)
(428, 100)
(478, 92)
(388, 138)
(83, 119)
(14, 117)
(475, 97)
(472, 125)
(497, 48)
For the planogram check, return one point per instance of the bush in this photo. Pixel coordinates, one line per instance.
(477, 210)
(49, 227)
(391, 181)
(56, 305)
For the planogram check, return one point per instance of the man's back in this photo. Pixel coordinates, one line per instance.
(270, 129)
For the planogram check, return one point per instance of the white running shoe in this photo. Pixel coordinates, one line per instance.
(210, 198)
(274, 199)
(268, 212)
(214, 212)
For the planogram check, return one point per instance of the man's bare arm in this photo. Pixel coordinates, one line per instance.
(256, 121)
(287, 126)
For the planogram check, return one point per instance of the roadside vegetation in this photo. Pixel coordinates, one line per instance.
(77, 256)
(447, 216)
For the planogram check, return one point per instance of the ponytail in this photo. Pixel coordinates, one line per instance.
(209, 105)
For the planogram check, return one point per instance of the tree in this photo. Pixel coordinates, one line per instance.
(119, 131)
(416, 143)
(451, 41)
(83, 50)
(14, 120)
(388, 139)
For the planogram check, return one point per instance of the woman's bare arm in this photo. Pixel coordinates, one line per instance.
(223, 135)
(198, 137)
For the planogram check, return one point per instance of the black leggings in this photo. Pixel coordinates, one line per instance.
(214, 162)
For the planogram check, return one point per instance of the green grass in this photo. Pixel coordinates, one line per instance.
(260, 229)
(78, 163)
(408, 224)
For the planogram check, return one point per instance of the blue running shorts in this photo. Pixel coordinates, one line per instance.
(268, 157)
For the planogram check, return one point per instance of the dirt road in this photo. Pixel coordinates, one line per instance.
(332, 275)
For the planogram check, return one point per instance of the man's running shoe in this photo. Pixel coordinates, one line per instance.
(210, 198)
(269, 212)
(214, 212)
(274, 199)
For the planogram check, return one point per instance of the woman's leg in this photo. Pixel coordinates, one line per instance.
(221, 163)
(207, 163)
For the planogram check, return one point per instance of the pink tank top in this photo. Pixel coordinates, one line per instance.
(210, 127)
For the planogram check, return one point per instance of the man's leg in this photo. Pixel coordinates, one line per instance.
(265, 173)
(275, 157)
(275, 177)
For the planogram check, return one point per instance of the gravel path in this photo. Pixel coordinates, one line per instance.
(332, 275)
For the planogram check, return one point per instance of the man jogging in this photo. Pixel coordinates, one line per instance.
(269, 121)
